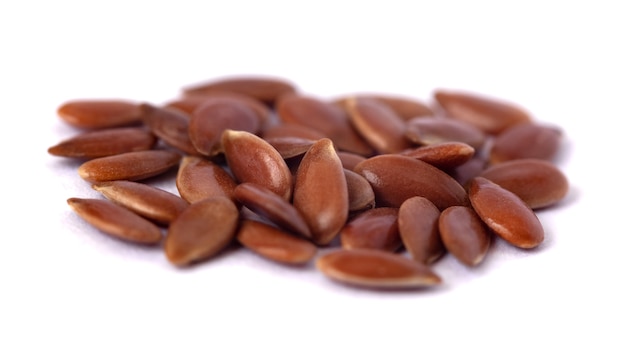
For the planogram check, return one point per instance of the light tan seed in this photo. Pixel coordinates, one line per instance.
(375, 229)
(445, 155)
(129, 166)
(419, 229)
(116, 220)
(433, 130)
(350, 160)
(321, 192)
(252, 159)
(99, 113)
(376, 269)
(396, 178)
(104, 142)
(360, 193)
(199, 178)
(203, 230)
(406, 108)
(272, 207)
(169, 125)
(526, 141)
(505, 213)
(263, 88)
(489, 114)
(272, 243)
(537, 182)
(146, 200)
(290, 147)
(464, 234)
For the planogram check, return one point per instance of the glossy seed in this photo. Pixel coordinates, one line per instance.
(321, 192)
(434, 130)
(116, 220)
(290, 147)
(360, 193)
(406, 108)
(537, 182)
(146, 200)
(376, 269)
(264, 89)
(419, 229)
(129, 166)
(201, 231)
(505, 213)
(282, 130)
(464, 234)
(375, 229)
(526, 141)
(189, 103)
(272, 243)
(199, 178)
(99, 113)
(104, 142)
(169, 125)
(445, 155)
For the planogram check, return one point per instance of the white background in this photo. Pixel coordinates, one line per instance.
(62, 281)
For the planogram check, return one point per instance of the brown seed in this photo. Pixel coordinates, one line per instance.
(282, 130)
(189, 103)
(146, 200)
(537, 182)
(360, 193)
(490, 115)
(169, 125)
(105, 142)
(466, 172)
(378, 125)
(264, 89)
(252, 159)
(396, 178)
(274, 244)
(406, 108)
(446, 155)
(290, 147)
(505, 213)
(129, 166)
(272, 207)
(211, 119)
(99, 114)
(523, 141)
(464, 234)
(201, 231)
(349, 160)
(375, 229)
(433, 130)
(116, 220)
(199, 178)
(419, 229)
(321, 192)
(376, 269)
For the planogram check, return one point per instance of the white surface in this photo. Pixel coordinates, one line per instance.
(61, 281)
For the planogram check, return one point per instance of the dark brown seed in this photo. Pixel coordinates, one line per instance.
(272, 207)
(376, 269)
(201, 231)
(321, 192)
(100, 114)
(524, 141)
(406, 108)
(116, 220)
(129, 166)
(433, 130)
(105, 142)
(169, 125)
(419, 229)
(199, 178)
(464, 234)
(146, 200)
(396, 178)
(350, 160)
(446, 155)
(537, 182)
(505, 213)
(491, 115)
(360, 193)
(274, 244)
(375, 229)
(252, 159)
(264, 89)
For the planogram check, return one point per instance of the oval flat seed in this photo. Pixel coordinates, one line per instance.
(99, 113)
(201, 231)
(396, 178)
(264, 89)
(537, 182)
(505, 213)
(445, 155)
(189, 103)
(464, 234)
(290, 147)
(360, 193)
(104, 142)
(269, 205)
(419, 229)
(281, 130)
(148, 201)
(199, 178)
(321, 192)
(211, 119)
(406, 108)
(116, 220)
(433, 130)
(129, 166)
(376, 269)
(374, 229)
(252, 159)
(350, 160)
(274, 244)
(524, 141)
(488, 114)
(169, 125)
